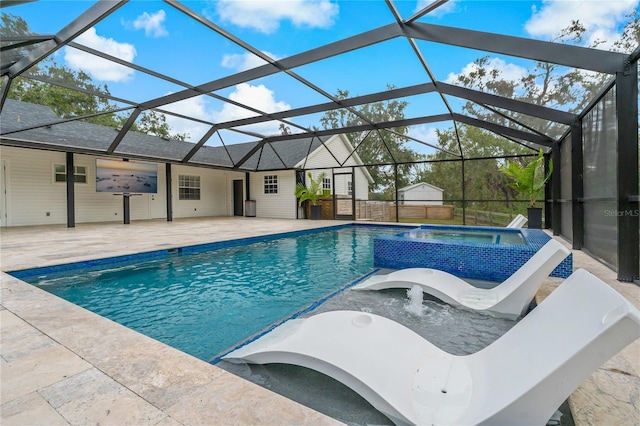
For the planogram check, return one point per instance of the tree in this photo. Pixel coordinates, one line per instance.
(546, 84)
(483, 180)
(66, 102)
(386, 146)
(155, 123)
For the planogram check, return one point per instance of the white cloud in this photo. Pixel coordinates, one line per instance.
(507, 71)
(601, 18)
(258, 97)
(192, 107)
(152, 24)
(442, 10)
(424, 133)
(97, 67)
(265, 15)
(244, 61)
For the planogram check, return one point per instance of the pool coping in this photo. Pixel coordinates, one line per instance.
(43, 333)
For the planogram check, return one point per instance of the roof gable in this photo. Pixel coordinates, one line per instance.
(418, 185)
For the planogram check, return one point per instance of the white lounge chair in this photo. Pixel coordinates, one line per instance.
(510, 299)
(520, 379)
(517, 222)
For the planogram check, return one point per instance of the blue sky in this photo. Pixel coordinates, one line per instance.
(155, 35)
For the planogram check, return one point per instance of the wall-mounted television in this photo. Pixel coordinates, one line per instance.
(126, 176)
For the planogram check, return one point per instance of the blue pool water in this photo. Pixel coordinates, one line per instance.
(468, 236)
(205, 302)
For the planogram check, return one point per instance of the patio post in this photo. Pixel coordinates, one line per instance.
(627, 169)
(71, 191)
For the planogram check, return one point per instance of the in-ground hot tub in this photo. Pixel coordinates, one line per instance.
(486, 253)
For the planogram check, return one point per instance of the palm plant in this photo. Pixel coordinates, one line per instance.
(311, 192)
(530, 179)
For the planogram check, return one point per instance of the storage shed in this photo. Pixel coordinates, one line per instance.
(420, 193)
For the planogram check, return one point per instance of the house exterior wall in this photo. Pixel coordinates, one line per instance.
(34, 198)
(215, 192)
(281, 205)
(413, 196)
(339, 149)
(31, 192)
(361, 184)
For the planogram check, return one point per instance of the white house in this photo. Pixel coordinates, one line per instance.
(34, 158)
(420, 193)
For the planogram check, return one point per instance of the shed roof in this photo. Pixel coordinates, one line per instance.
(416, 185)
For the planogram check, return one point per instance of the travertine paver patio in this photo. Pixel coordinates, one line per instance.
(61, 364)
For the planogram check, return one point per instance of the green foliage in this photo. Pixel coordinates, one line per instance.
(530, 178)
(546, 84)
(483, 180)
(155, 123)
(67, 102)
(385, 146)
(12, 25)
(311, 192)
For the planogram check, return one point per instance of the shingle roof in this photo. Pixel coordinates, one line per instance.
(96, 139)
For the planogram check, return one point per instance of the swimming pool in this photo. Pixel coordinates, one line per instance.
(450, 328)
(205, 299)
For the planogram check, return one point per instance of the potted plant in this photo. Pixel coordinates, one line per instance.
(529, 180)
(312, 193)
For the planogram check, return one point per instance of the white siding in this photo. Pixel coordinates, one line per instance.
(341, 184)
(422, 192)
(31, 192)
(281, 205)
(340, 148)
(322, 158)
(361, 184)
(33, 198)
(213, 193)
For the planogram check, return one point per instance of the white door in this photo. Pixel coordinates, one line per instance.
(3, 193)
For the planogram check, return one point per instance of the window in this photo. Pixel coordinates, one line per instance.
(60, 173)
(188, 187)
(349, 187)
(271, 184)
(326, 186)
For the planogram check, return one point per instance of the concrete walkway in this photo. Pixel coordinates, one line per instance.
(61, 364)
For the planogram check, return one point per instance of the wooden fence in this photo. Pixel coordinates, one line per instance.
(383, 211)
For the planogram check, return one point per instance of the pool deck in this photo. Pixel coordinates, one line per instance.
(61, 364)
